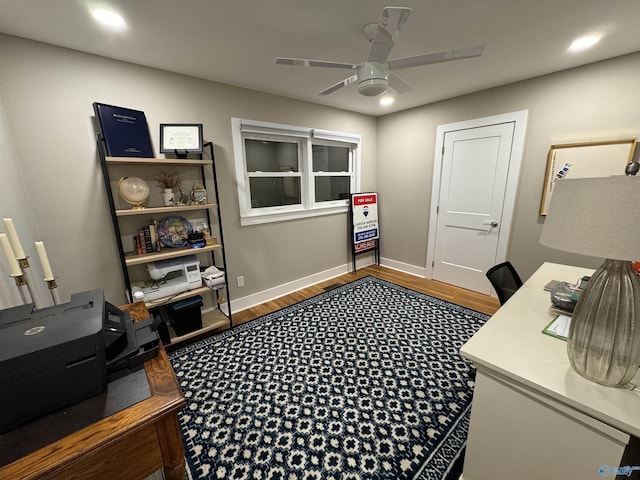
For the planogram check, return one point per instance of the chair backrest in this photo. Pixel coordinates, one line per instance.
(505, 280)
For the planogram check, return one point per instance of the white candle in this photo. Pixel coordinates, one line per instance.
(44, 260)
(13, 238)
(11, 258)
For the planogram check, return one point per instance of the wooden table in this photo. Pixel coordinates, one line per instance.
(129, 444)
(532, 415)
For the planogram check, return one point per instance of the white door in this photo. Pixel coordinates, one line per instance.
(473, 182)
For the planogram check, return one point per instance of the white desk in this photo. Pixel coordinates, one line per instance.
(532, 415)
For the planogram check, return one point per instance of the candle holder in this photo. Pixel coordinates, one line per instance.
(53, 288)
(26, 273)
(23, 288)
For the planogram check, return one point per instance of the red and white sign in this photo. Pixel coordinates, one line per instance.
(365, 217)
(364, 246)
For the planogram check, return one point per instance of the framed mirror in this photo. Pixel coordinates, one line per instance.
(585, 160)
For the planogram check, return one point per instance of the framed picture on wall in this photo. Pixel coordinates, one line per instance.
(585, 160)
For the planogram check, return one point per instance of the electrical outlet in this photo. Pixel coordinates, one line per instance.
(240, 281)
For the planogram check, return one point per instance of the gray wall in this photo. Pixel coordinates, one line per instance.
(14, 203)
(596, 102)
(48, 93)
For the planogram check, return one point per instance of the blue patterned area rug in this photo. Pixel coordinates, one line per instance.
(361, 382)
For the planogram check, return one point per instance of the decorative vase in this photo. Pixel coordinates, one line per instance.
(168, 197)
(604, 337)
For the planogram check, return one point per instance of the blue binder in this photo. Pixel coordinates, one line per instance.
(125, 131)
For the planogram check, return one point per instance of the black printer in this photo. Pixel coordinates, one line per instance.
(61, 355)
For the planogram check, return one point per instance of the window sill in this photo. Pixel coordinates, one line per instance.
(262, 218)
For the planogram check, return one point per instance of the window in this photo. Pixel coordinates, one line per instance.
(331, 172)
(286, 172)
(273, 171)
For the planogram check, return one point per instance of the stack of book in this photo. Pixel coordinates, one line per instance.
(146, 240)
(564, 296)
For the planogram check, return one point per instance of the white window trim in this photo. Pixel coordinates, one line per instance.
(308, 208)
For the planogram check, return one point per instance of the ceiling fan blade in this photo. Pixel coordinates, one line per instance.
(398, 84)
(436, 57)
(304, 62)
(339, 85)
(391, 22)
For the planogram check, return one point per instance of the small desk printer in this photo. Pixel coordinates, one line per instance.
(57, 356)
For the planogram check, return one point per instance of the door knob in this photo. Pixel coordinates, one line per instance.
(492, 223)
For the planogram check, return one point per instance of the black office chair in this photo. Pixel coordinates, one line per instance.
(505, 280)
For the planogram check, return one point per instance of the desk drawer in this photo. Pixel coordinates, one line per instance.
(515, 433)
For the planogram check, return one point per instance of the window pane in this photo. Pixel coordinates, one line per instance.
(332, 188)
(330, 159)
(274, 191)
(268, 156)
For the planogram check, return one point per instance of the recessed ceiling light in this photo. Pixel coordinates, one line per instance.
(386, 100)
(583, 43)
(108, 17)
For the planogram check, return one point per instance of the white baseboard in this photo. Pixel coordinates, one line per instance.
(404, 267)
(238, 304)
(254, 299)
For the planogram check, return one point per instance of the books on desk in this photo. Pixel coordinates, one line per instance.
(563, 294)
(582, 284)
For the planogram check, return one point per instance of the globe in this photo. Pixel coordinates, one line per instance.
(134, 191)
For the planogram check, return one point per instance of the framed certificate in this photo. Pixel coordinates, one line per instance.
(181, 138)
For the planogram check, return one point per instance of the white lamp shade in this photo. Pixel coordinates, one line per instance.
(598, 217)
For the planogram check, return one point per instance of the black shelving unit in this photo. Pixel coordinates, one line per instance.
(215, 253)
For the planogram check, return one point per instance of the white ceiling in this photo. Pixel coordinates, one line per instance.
(236, 41)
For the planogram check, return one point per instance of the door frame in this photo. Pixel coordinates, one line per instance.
(519, 119)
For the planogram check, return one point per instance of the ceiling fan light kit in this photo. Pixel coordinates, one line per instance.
(372, 79)
(375, 76)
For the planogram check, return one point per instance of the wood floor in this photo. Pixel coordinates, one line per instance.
(459, 296)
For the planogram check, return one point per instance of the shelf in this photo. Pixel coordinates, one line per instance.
(212, 320)
(152, 210)
(175, 298)
(123, 219)
(167, 254)
(156, 161)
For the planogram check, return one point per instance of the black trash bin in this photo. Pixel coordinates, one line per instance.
(186, 316)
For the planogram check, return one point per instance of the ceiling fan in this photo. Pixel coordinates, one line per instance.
(375, 75)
